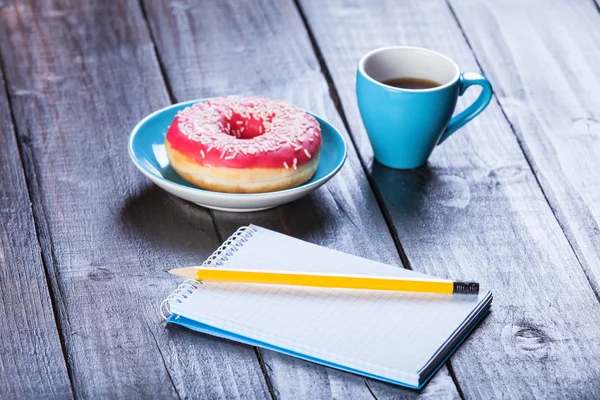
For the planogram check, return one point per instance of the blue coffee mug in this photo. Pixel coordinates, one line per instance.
(405, 125)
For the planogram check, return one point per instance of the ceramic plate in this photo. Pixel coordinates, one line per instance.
(147, 150)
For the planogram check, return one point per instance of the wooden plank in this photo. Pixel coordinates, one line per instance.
(262, 48)
(31, 358)
(553, 110)
(80, 77)
(476, 211)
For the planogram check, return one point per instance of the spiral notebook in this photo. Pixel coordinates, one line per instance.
(402, 338)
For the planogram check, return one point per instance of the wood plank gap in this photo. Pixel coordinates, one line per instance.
(212, 214)
(28, 183)
(454, 379)
(529, 159)
(369, 388)
(173, 100)
(214, 221)
(333, 93)
(382, 205)
(169, 89)
(162, 357)
(218, 232)
(263, 367)
(257, 351)
(161, 65)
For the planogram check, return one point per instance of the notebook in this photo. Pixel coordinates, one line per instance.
(397, 337)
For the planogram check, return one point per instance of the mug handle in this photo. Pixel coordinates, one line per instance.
(467, 79)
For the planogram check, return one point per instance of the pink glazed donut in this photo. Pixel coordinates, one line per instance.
(244, 145)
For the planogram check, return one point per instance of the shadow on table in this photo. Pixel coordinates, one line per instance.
(404, 191)
(305, 218)
(167, 222)
(172, 224)
(422, 193)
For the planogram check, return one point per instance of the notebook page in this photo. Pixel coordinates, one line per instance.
(389, 334)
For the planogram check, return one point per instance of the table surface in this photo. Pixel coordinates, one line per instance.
(511, 201)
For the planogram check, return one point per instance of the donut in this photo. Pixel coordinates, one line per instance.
(244, 145)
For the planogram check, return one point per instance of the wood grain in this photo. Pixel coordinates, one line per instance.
(31, 358)
(547, 84)
(261, 48)
(476, 211)
(80, 76)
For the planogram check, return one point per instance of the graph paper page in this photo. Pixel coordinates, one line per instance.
(389, 334)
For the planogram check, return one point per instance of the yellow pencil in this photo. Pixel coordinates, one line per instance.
(328, 280)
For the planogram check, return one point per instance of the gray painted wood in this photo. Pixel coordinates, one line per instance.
(547, 84)
(31, 358)
(261, 48)
(79, 78)
(476, 211)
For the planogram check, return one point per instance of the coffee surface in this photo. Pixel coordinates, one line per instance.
(407, 82)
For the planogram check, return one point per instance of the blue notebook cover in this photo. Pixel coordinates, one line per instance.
(209, 330)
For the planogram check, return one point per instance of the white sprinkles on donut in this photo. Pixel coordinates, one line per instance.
(210, 124)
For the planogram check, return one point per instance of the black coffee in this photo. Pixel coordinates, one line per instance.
(411, 83)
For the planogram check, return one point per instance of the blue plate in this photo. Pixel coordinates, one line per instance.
(147, 150)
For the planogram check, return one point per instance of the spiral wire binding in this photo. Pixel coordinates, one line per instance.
(222, 254)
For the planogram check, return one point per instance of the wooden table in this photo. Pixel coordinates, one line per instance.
(512, 201)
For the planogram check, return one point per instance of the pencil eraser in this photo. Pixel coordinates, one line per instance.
(466, 288)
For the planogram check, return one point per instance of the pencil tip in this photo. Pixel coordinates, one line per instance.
(189, 273)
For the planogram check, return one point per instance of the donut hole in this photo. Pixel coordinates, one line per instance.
(244, 128)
